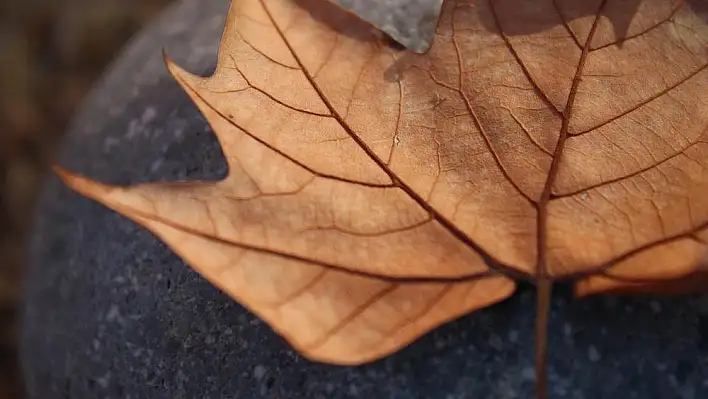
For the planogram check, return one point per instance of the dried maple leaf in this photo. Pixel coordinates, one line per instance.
(375, 193)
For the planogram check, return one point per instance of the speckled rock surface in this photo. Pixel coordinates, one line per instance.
(110, 312)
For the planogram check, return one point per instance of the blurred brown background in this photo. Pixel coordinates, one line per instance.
(52, 52)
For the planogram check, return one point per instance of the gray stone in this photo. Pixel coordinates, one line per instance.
(110, 312)
(409, 22)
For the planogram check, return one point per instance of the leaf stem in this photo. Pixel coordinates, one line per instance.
(543, 305)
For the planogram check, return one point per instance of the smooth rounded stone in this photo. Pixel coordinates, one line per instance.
(111, 312)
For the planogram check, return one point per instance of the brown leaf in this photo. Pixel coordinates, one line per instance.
(375, 193)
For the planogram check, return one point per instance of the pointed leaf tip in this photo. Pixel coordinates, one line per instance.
(81, 184)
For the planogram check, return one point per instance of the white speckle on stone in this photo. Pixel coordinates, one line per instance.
(353, 390)
(104, 381)
(96, 344)
(496, 342)
(593, 354)
(259, 372)
(216, 22)
(178, 132)
(133, 129)
(148, 115)
(181, 376)
(109, 143)
(560, 391)
(513, 336)
(655, 306)
(156, 165)
(505, 389)
(567, 330)
(113, 314)
(673, 380)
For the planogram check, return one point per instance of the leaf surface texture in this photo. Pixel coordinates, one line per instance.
(375, 193)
